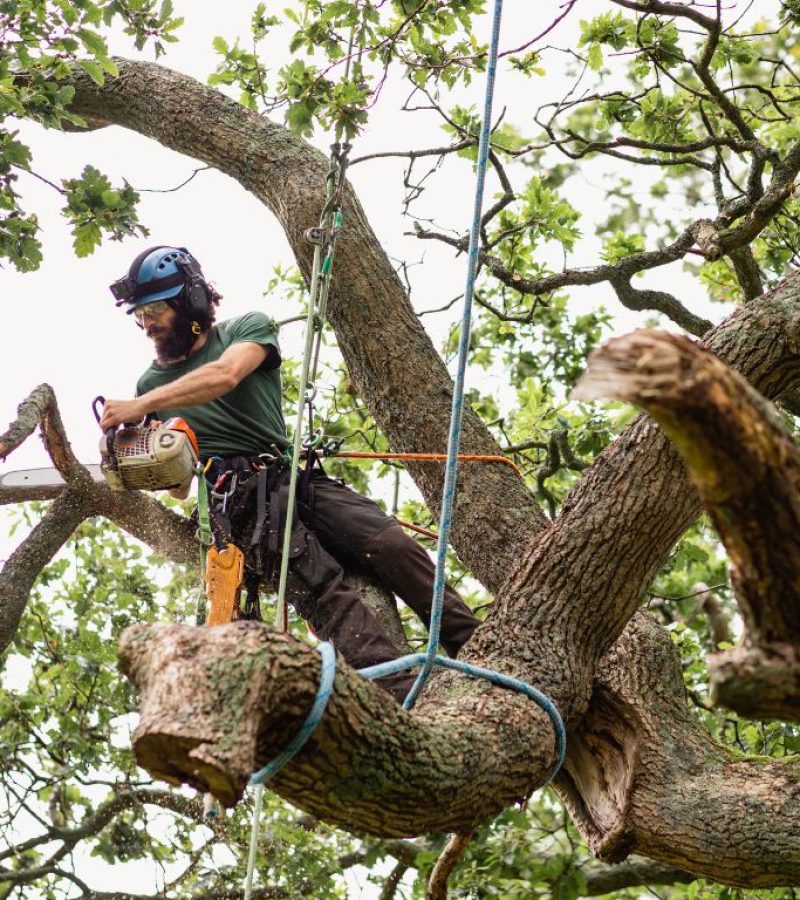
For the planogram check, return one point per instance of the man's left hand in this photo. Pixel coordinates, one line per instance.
(118, 412)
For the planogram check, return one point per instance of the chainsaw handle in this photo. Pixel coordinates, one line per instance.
(110, 433)
(101, 400)
(98, 399)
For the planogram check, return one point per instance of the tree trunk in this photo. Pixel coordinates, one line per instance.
(644, 777)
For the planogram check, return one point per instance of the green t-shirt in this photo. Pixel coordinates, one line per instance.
(247, 420)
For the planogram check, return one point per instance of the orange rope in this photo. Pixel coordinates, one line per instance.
(418, 528)
(428, 457)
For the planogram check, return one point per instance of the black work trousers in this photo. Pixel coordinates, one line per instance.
(339, 529)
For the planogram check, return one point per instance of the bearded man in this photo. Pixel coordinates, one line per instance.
(224, 380)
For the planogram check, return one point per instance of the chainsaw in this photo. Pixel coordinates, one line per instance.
(148, 456)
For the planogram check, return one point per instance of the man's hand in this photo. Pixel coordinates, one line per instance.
(117, 412)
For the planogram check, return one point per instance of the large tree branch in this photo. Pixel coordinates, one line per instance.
(217, 703)
(746, 469)
(579, 583)
(22, 568)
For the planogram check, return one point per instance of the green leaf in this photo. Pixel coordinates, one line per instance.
(109, 66)
(94, 70)
(86, 238)
(95, 43)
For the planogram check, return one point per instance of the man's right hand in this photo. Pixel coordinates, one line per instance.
(118, 412)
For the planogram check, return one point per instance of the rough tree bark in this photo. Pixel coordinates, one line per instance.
(564, 591)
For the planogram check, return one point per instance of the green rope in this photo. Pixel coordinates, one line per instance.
(327, 233)
(206, 539)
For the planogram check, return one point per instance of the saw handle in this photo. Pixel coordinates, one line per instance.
(98, 415)
(109, 432)
(99, 399)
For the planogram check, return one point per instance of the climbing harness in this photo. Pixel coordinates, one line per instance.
(325, 238)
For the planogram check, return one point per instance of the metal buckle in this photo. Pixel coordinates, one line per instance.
(224, 496)
(316, 236)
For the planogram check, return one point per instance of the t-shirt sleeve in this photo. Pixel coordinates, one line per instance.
(260, 329)
(141, 386)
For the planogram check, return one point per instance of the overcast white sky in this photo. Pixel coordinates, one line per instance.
(60, 323)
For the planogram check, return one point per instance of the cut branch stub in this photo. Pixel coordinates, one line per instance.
(642, 776)
(746, 469)
(218, 703)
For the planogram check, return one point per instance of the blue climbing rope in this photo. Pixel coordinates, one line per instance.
(272, 768)
(313, 718)
(454, 437)
(429, 659)
(506, 681)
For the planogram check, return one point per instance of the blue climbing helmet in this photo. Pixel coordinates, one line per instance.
(162, 273)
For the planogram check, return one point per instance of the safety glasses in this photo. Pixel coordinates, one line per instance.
(151, 310)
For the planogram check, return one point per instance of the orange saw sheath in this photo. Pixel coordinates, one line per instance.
(224, 577)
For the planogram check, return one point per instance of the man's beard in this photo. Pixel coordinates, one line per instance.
(173, 342)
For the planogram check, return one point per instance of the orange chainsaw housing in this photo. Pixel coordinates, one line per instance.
(176, 423)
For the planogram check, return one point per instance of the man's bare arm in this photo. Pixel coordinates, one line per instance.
(210, 381)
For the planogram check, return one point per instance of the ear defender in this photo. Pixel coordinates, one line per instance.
(195, 294)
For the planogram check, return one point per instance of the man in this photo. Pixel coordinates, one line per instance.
(224, 380)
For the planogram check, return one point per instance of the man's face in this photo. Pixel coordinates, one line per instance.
(170, 332)
(154, 317)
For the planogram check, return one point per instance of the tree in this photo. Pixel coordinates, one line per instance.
(704, 102)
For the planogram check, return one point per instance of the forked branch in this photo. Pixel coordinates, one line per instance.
(40, 408)
(745, 467)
